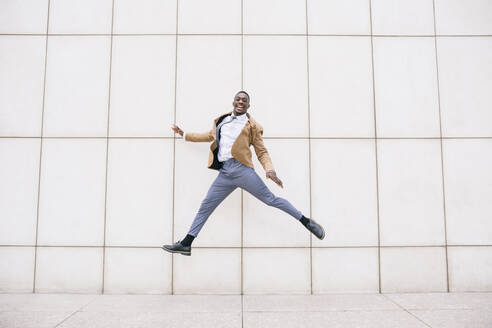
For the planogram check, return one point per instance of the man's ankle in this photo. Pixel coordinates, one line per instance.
(187, 240)
(304, 220)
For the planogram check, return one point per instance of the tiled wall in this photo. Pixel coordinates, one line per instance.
(377, 115)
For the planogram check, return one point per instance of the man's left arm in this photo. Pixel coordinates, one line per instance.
(264, 156)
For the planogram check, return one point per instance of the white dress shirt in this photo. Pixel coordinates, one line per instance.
(228, 134)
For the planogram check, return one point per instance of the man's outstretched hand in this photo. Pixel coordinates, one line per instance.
(272, 175)
(177, 130)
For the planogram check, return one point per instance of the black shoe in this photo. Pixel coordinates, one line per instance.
(178, 248)
(316, 229)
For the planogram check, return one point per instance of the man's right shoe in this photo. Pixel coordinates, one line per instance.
(177, 247)
(315, 228)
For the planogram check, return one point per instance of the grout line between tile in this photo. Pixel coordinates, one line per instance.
(248, 247)
(441, 148)
(266, 137)
(242, 192)
(375, 146)
(41, 151)
(107, 150)
(174, 143)
(253, 247)
(309, 151)
(256, 34)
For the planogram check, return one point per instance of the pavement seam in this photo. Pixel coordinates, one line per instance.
(407, 311)
(76, 311)
(323, 311)
(242, 310)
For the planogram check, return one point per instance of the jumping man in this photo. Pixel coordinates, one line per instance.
(232, 135)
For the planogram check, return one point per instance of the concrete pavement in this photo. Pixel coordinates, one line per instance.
(436, 310)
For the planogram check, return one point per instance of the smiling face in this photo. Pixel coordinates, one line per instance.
(240, 103)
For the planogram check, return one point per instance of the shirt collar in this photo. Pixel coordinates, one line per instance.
(242, 117)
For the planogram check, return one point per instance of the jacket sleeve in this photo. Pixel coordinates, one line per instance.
(200, 136)
(260, 149)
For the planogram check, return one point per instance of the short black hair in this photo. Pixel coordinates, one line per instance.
(242, 91)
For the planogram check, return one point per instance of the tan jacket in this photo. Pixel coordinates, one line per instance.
(251, 134)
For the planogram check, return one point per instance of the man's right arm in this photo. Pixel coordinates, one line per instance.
(194, 136)
(199, 137)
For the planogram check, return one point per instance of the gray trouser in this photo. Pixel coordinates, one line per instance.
(234, 174)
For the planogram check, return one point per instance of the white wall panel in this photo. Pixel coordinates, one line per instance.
(353, 96)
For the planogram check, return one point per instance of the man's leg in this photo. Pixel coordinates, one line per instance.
(252, 183)
(218, 191)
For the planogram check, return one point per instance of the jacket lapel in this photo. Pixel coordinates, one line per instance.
(219, 120)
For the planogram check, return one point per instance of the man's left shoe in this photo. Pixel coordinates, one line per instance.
(178, 248)
(315, 228)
